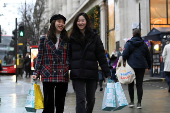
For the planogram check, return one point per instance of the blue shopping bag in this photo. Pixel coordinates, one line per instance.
(109, 97)
(120, 97)
(30, 102)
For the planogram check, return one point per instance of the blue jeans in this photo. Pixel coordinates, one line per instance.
(113, 76)
(167, 76)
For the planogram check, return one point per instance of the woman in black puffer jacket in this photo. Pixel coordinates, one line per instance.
(86, 50)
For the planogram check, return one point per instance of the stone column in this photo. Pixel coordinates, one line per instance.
(64, 8)
(75, 4)
(60, 7)
(103, 24)
(69, 8)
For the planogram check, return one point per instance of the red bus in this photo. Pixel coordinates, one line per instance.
(7, 55)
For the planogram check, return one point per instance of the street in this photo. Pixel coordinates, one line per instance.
(156, 98)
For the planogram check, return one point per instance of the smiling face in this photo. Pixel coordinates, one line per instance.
(81, 23)
(59, 25)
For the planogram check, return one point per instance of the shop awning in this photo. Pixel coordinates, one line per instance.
(156, 34)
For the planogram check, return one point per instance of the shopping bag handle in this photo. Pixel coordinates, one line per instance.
(110, 80)
(34, 81)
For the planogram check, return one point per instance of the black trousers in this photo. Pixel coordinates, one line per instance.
(56, 99)
(19, 71)
(167, 76)
(85, 91)
(139, 72)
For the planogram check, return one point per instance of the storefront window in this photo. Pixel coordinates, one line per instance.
(111, 26)
(159, 26)
(160, 13)
(111, 14)
(156, 56)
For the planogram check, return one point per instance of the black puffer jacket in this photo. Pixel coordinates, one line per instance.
(140, 58)
(83, 61)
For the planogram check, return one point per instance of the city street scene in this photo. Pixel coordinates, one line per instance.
(84, 56)
(156, 98)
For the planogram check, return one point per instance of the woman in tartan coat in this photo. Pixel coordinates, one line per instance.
(52, 64)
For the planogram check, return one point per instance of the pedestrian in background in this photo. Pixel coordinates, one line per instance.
(86, 51)
(119, 52)
(101, 78)
(27, 65)
(137, 54)
(113, 62)
(107, 57)
(114, 52)
(20, 66)
(166, 59)
(53, 65)
(34, 61)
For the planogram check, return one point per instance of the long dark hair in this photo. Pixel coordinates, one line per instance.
(51, 34)
(75, 32)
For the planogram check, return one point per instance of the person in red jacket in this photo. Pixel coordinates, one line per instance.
(53, 65)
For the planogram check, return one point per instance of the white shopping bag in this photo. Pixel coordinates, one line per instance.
(125, 74)
(30, 103)
(121, 100)
(109, 97)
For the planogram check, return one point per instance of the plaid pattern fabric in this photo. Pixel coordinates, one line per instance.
(52, 64)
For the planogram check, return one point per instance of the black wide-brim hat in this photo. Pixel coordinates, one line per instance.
(56, 17)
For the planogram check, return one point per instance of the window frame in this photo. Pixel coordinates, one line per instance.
(166, 14)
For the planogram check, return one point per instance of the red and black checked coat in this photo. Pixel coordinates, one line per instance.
(52, 64)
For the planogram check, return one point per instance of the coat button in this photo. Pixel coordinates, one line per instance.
(60, 70)
(54, 71)
(54, 62)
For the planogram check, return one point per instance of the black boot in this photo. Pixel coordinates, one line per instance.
(169, 89)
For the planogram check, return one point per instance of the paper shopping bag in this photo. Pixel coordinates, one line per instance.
(30, 102)
(121, 100)
(39, 100)
(109, 98)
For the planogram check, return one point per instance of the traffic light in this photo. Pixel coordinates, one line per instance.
(21, 30)
(13, 34)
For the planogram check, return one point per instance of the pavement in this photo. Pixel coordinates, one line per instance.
(13, 96)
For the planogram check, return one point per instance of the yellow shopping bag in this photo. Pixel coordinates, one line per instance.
(39, 100)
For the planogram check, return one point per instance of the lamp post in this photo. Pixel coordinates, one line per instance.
(139, 18)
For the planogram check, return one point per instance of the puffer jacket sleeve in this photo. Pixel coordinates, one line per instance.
(126, 51)
(100, 54)
(39, 57)
(148, 56)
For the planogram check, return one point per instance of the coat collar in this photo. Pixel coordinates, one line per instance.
(59, 50)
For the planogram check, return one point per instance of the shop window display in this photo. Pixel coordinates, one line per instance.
(160, 13)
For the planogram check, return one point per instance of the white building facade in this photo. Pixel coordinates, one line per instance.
(115, 19)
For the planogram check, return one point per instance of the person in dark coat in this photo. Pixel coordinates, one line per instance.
(113, 60)
(20, 66)
(34, 61)
(119, 52)
(27, 64)
(86, 50)
(137, 54)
